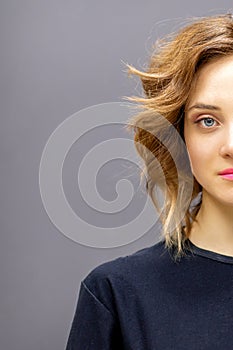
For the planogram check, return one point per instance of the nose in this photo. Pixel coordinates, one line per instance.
(226, 149)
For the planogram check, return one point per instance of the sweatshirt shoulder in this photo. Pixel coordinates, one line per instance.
(132, 266)
(113, 282)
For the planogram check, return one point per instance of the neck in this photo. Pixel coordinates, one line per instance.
(213, 229)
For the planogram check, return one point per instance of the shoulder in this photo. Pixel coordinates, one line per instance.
(128, 272)
(125, 282)
(132, 264)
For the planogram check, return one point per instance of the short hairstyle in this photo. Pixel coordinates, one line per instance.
(166, 83)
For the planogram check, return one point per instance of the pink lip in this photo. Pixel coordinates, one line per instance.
(227, 174)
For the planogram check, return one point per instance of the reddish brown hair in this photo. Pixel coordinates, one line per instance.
(166, 84)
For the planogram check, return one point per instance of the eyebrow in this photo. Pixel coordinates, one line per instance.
(204, 106)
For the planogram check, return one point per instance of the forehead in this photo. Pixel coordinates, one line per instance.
(213, 82)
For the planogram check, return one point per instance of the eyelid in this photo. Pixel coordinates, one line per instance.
(203, 115)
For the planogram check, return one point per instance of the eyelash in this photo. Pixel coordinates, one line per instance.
(205, 118)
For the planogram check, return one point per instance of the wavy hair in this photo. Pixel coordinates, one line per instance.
(166, 83)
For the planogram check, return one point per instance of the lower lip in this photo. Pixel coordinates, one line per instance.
(227, 176)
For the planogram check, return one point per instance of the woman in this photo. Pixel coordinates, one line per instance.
(177, 294)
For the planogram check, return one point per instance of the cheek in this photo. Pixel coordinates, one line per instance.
(198, 155)
(195, 149)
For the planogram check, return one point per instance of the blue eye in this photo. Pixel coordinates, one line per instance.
(206, 122)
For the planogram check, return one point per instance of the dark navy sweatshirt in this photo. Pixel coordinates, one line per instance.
(147, 301)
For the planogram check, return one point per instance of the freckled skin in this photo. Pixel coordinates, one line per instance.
(210, 142)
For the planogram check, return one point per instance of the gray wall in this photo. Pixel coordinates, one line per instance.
(58, 57)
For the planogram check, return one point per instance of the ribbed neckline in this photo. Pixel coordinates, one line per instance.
(208, 253)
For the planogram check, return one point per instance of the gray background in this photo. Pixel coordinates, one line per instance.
(58, 57)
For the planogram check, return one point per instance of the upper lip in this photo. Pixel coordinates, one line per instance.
(226, 171)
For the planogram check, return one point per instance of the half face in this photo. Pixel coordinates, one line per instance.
(208, 129)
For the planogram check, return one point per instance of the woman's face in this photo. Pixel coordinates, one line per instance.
(208, 129)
